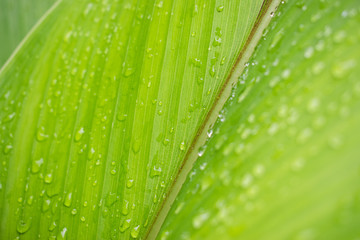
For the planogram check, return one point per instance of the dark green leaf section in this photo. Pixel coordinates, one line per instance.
(99, 107)
(284, 158)
(17, 17)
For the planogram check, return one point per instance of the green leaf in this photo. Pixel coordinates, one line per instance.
(283, 161)
(17, 17)
(99, 107)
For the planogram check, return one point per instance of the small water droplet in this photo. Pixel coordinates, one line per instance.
(182, 146)
(259, 170)
(200, 219)
(48, 178)
(341, 69)
(136, 146)
(7, 149)
(298, 164)
(309, 52)
(220, 8)
(313, 105)
(128, 71)
(40, 134)
(247, 180)
(196, 62)
(335, 142)
(130, 183)
(79, 134)
(9, 117)
(155, 171)
(63, 232)
(121, 117)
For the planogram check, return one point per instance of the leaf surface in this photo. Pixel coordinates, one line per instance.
(17, 17)
(99, 107)
(283, 161)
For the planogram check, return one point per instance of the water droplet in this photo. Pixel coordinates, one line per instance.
(63, 232)
(317, 68)
(74, 211)
(130, 183)
(339, 36)
(36, 165)
(335, 142)
(276, 39)
(259, 170)
(247, 180)
(91, 153)
(274, 127)
(220, 8)
(182, 146)
(30, 200)
(40, 134)
(196, 62)
(128, 71)
(304, 135)
(125, 225)
(217, 41)
(212, 71)
(201, 151)
(121, 117)
(79, 134)
(155, 171)
(48, 178)
(46, 205)
(135, 231)
(309, 52)
(7, 149)
(136, 146)
(313, 105)
(68, 199)
(125, 207)
(9, 118)
(341, 69)
(88, 9)
(166, 142)
(82, 219)
(23, 226)
(298, 164)
(179, 207)
(200, 219)
(52, 226)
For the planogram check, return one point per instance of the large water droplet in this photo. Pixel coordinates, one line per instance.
(125, 225)
(36, 165)
(68, 199)
(23, 226)
(125, 207)
(135, 231)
